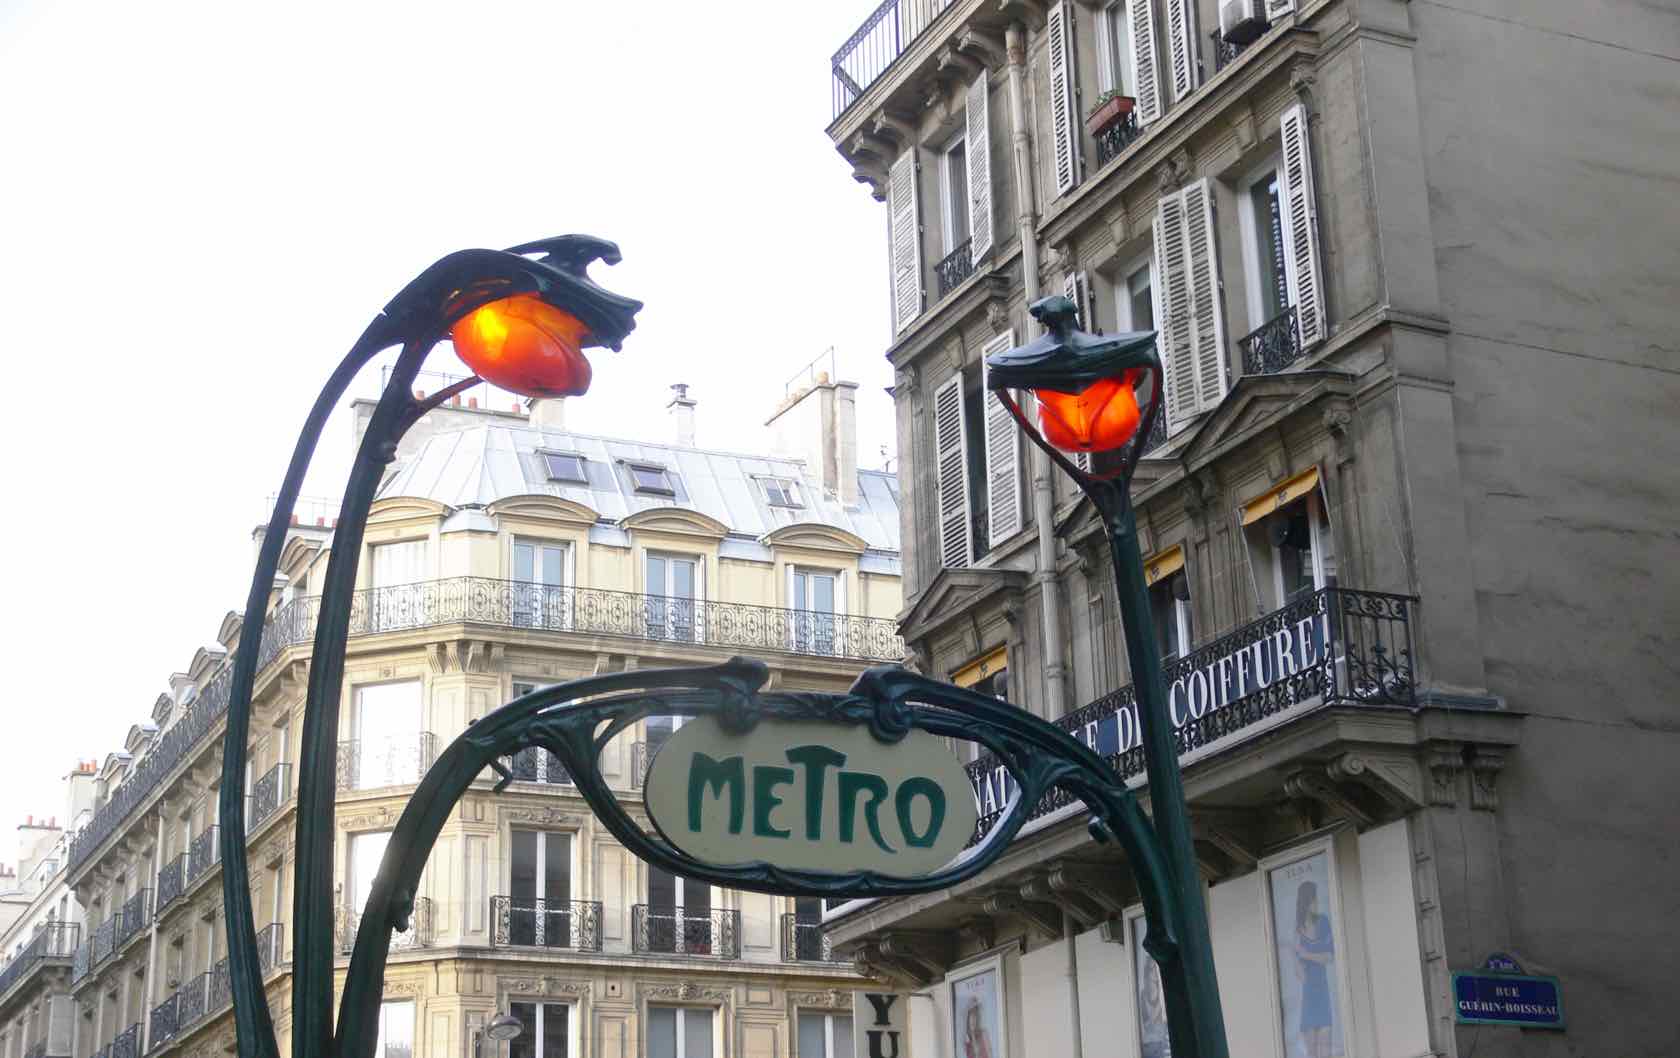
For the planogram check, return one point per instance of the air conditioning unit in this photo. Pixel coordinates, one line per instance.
(1242, 21)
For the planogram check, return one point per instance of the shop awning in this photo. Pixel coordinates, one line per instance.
(1280, 496)
(981, 667)
(1163, 564)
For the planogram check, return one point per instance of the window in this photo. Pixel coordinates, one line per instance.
(1290, 546)
(541, 889)
(673, 589)
(546, 1030)
(366, 852)
(679, 1032)
(807, 929)
(651, 479)
(1270, 288)
(387, 746)
(679, 914)
(534, 763)
(1169, 605)
(396, 601)
(565, 466)
(396, 1030)
(824, 1035)
(1114, 49)
(1192, 318)
(540, 599)
(953, 193)
(399, 563)
(781, 492)
(814, 594)
(1135, 300)
(978, 457)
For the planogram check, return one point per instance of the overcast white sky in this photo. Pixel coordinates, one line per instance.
(203, 202)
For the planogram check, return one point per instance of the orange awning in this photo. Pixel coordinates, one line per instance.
(1163, 564)
(1280, 496)
(981, 667)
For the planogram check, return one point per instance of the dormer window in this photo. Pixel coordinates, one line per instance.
(651, 479)
(565, 466)
(781, 492)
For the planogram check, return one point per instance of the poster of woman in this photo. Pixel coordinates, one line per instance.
(1153, 1041)
(977, 1028)
(1306, 958)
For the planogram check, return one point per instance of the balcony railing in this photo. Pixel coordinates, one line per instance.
(127, 1043)
(1224, 51)
(103, 1052)
(221, 987)
(1330, 647)
(133, 917)
(957, 266)
(270, 952)
(38, 1049)
(57, 941)
(534, 922)
(535, 764)
(805, 942)
(663, 930)
(164, 1024)
(419, 934)
(269, 794)
(194, 1001)
(104, 941)
(393, 760)
(172, 882)
(1115, 137)
(873, 46)
(1272, 346)
(82, 963)
(204, 853)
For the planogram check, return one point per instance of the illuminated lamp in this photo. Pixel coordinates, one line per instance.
(525, 345)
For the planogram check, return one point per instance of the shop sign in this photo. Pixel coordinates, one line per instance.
(881, 1025)
(811, 795)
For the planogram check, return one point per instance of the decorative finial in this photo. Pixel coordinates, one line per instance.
(1058, 313)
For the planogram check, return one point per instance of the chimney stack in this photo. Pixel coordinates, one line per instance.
(818, 423)
(681, 410)
(549, 414)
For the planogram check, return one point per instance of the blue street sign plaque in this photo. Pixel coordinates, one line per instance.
(1508, 999)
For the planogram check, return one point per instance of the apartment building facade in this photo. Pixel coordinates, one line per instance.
(1412, 324)
(505, 552)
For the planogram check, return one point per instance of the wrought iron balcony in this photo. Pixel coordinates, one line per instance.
(394, 760)
(1328, 647)
(270, 950)
(221, 988)
(55, 943)
(193, 1001)
(805, 942)
(666, 930)
(126, 1044)
(1272, 346)
(104, 940)
(1115, 137)
(535, 764)
(957, 266)
(419, 934)
(1224, 51)
(164, 1024)
(535, 922)
(172, 882)
(133, 917)
(203, 853)
(873, 46)
(82, 963)
(269, 794)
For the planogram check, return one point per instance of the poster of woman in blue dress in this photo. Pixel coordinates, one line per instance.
(1306, 953)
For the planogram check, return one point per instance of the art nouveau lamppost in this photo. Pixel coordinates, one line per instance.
(1085, 390)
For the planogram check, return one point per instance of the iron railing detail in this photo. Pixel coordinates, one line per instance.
(1272, 346)
(103, 1052)
(535, 764)
(640, 758)
(805, 941)
(126, 1044)
(873, 46)
(164, 1024)
(536, 922)
(194, 997)
(56, 940)
(394, 760)
(269, 794)
(957, 266)
(1223, 50)
(82, 963)
(270, 953)
(104, 940)
(171, 882)
(1116, 136)
(220, 988)
(668, 930)
(38, 1049)
(419, 934)
(1349, 648)
(133, 917)
(202, 854)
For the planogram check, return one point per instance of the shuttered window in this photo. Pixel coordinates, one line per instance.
(1193, 322)
(1003, 457)
(979, 136)
(1181, 48)
(1064, 120)
(905, 235)
(950, 442)
(1301, 258)
(1147, 89)
(1076, 287)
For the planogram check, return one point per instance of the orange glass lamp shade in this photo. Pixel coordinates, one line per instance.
(1099, 418)
(526, 346)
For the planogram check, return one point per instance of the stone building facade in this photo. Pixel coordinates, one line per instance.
(1409, 573)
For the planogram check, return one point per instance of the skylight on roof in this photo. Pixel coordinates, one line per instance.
(651, 479)
(781, 492)
(565, 466)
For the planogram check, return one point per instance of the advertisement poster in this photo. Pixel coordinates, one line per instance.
(1307, 969)
(976, 1001)
(1153, 1041)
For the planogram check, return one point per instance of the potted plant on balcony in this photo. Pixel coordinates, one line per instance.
(1112, 106)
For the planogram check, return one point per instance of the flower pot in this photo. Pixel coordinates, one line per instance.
(1110, 112)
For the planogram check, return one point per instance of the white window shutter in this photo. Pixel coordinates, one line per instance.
(1201, 253)
(1064, 119)
(905, 234)
(1177, 320)
(1076, 287)
(1181, 48)
(1003, 456)
(1302, 272)
(979, 135)
(950, 443)
(1147, 91)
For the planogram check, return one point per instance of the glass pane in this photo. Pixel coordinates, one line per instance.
(1143, 308)
(524, 1045)
(662, 888)
(822, 592)
(551, 564)
(813, 1036)
(557, 868)
(662, 1032)
(957, 185)
(696, 897)
(807, 909)
(1120, 50)
(682, 578)
(366, 850)
(524, 563)
(396, 1030)
(524, 873)
(656, 583)
(697, 1033)
(554, 1030)
(842, 1036)
(799, 591)
(1268, 225)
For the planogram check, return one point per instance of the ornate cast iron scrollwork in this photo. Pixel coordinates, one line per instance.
(1272, 346)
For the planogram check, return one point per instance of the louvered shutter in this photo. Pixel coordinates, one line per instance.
(905, 234)
(1278, 8)
(1064, 122)
(1147, 91)
(1176, 320)
(1202, 268)
(1076, 287)
(950, 442)
(979, 169)
(1302, 272)
(1181, 48)
(1003, 457)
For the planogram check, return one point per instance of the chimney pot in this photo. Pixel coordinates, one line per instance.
(681, 410)
(472, 402)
